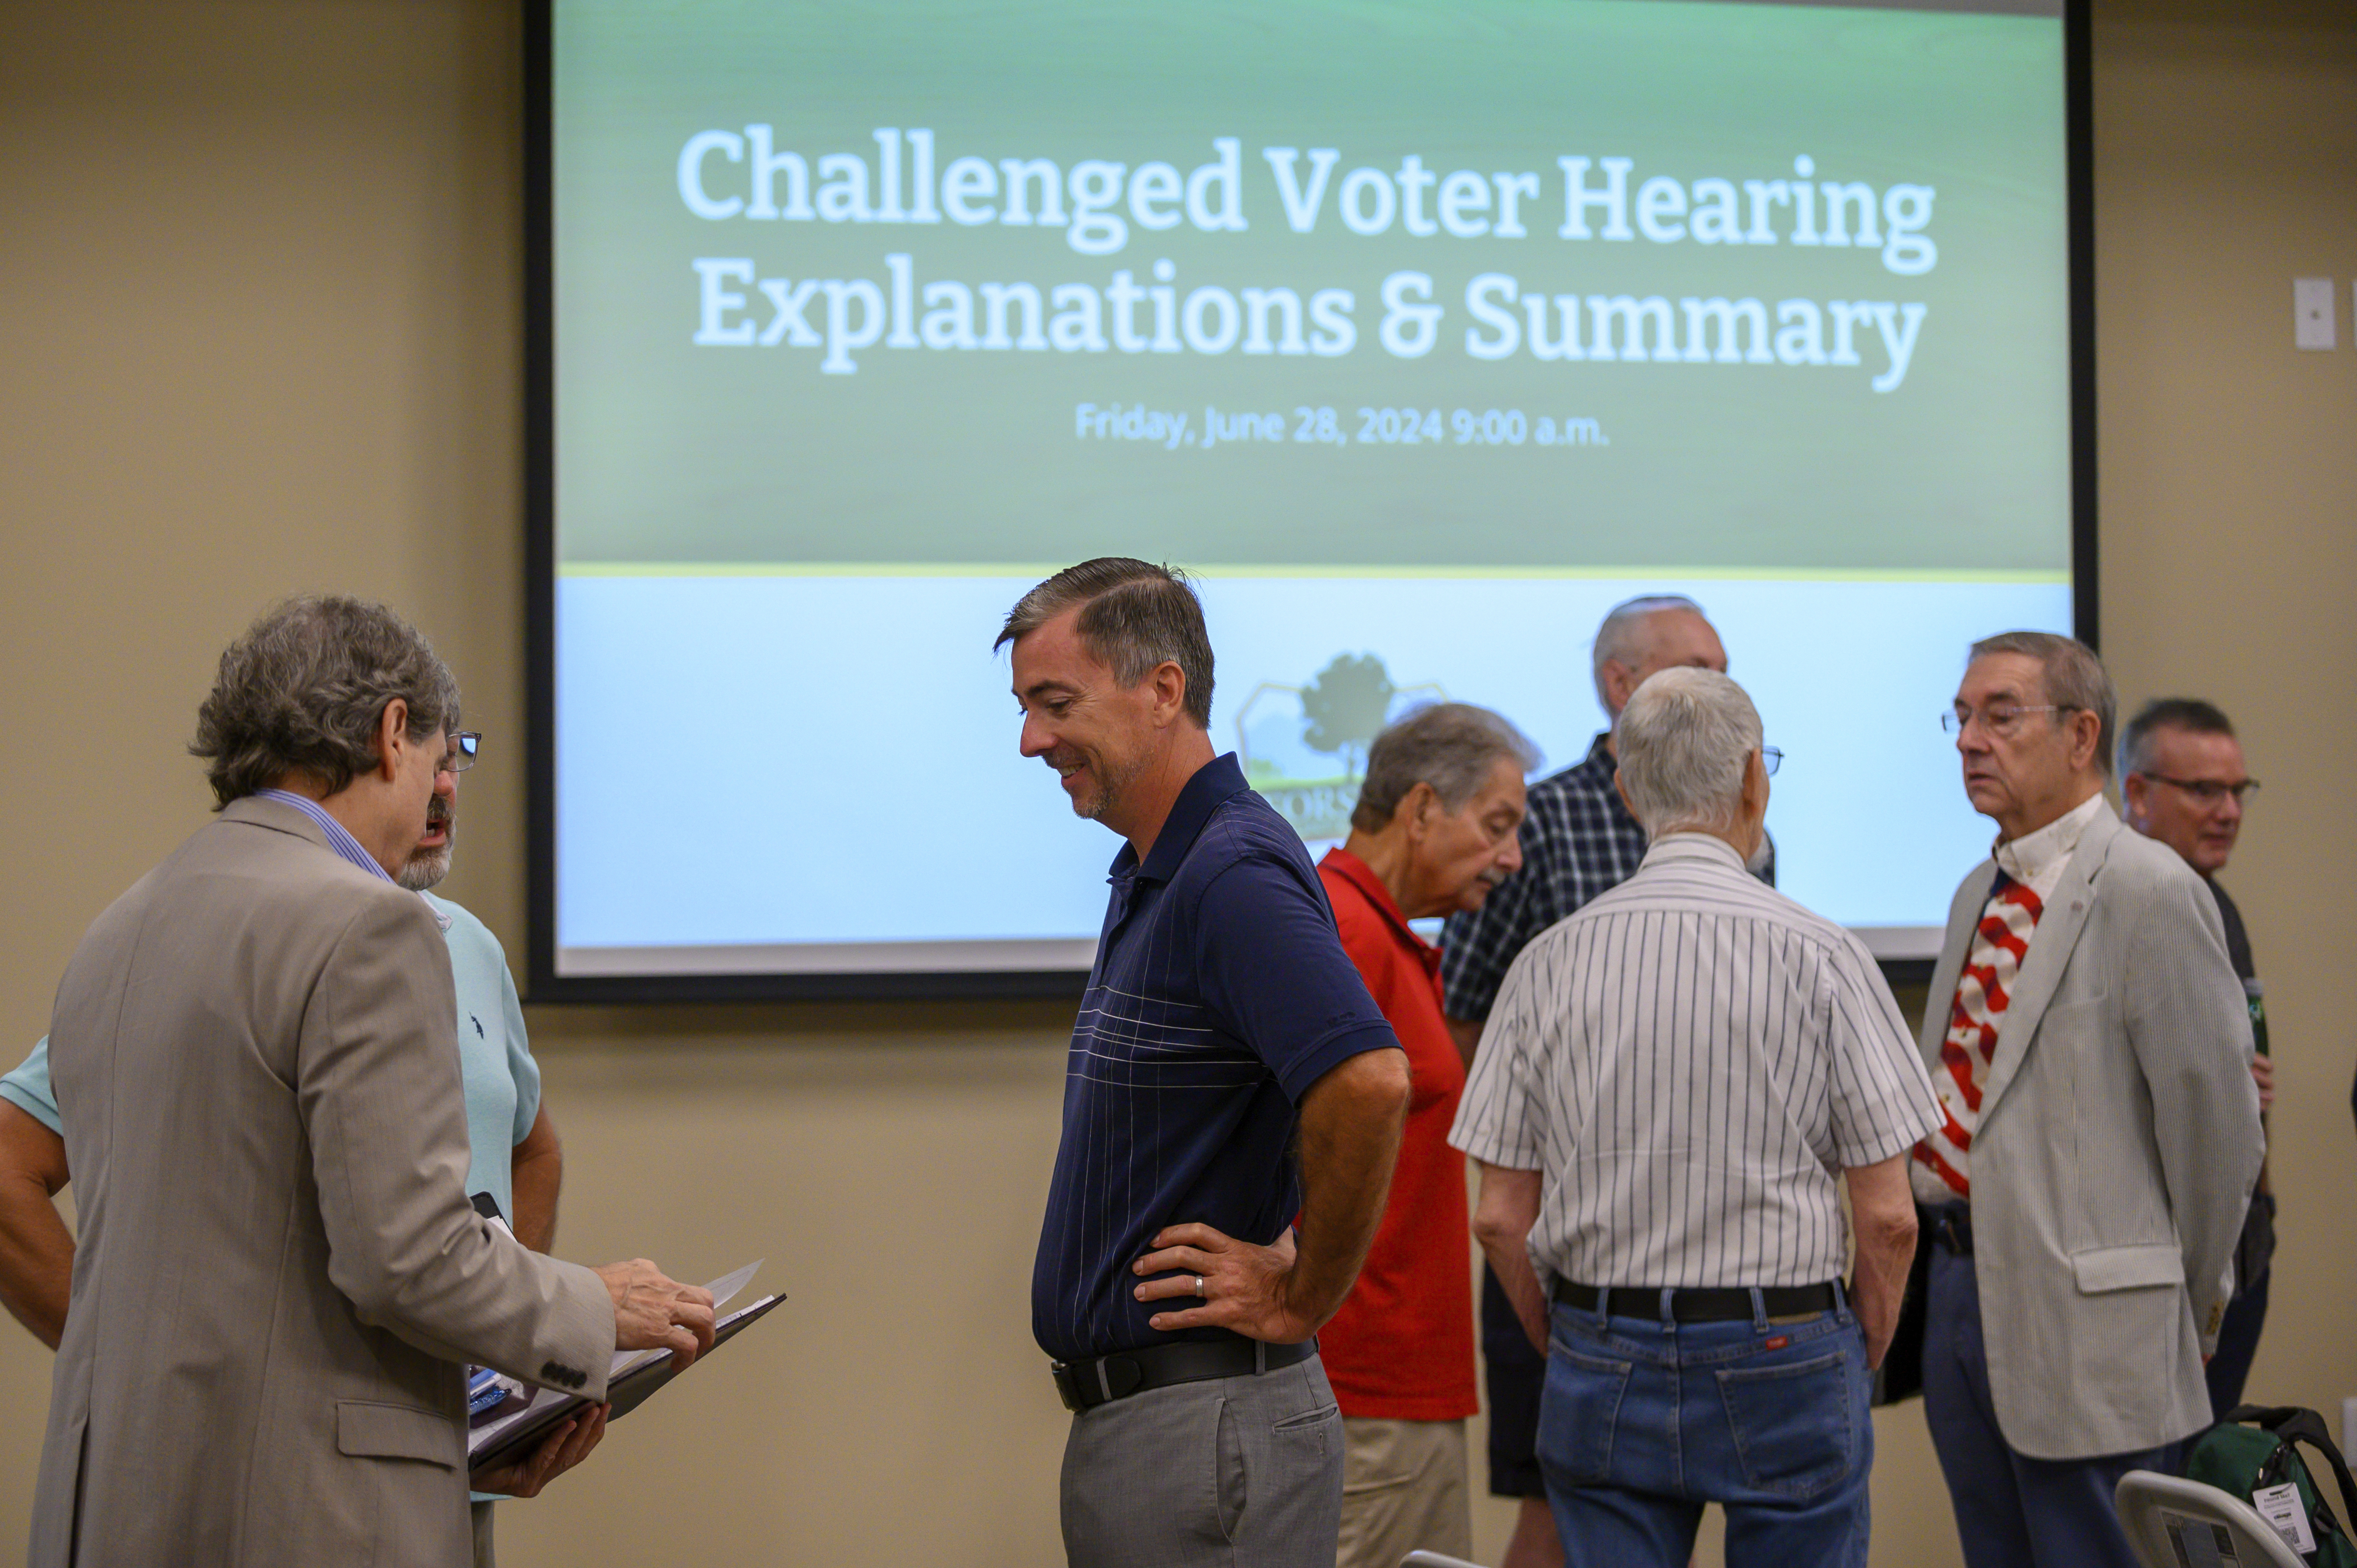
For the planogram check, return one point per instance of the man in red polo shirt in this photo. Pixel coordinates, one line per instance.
(1435, 828)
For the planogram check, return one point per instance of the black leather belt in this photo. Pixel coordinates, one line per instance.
(1952, 1227)
(1084, 1385)
(1715, 1304)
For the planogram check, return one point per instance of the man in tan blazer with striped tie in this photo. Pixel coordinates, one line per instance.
(2090, 1048)
(279, 1272)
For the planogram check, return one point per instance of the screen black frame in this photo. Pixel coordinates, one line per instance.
(544, 983)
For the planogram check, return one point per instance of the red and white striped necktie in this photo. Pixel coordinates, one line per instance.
(1982, 993)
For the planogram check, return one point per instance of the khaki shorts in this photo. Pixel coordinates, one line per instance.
(1403, 1491)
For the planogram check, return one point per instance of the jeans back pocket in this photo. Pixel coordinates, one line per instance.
(1795, 1423)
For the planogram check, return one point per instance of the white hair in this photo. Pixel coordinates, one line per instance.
(1621, 636)
(1684, 741)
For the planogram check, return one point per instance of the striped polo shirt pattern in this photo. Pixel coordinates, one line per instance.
(1689, 1060)
(1221, 994)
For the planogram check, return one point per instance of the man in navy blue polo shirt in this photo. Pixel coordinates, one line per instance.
(1229, 1073)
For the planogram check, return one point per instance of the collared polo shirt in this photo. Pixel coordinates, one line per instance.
(1402, 1347)
(1220, 994)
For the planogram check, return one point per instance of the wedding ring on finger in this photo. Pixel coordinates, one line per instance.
(1199, 1290)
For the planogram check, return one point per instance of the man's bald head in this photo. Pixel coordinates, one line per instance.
(1649, 633)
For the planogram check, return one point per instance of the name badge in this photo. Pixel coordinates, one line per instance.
(2280, 1507)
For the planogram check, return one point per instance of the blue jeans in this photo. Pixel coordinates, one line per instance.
(1645, 1422)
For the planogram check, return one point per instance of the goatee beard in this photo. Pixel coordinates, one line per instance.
(425, 867)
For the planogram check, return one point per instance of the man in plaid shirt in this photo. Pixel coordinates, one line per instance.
(1579, 840)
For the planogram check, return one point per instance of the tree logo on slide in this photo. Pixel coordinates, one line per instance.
(1304, 748)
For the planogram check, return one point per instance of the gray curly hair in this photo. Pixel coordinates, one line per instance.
(303, 689)
(1450, 746)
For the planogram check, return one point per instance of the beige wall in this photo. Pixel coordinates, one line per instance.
(258, 286)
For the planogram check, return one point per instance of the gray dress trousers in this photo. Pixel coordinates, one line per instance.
(1240, 1472)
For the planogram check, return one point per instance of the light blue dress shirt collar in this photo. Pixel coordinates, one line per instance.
(339, 840)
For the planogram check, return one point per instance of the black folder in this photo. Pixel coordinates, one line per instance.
(510, 1435)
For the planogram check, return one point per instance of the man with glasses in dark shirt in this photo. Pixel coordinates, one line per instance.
(2182, 781)
(1229, 1073)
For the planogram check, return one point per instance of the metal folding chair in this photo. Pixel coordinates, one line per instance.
(2172, 1522)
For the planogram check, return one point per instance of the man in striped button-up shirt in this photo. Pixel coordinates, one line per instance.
(1666, 1088)
(1577, 840)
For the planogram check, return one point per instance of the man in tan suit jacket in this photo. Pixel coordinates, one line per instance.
(2090, 1048)
(278, 1270)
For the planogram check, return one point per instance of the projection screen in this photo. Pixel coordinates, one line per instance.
(1419, 333)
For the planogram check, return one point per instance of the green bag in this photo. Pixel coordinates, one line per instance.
(2254, 1449)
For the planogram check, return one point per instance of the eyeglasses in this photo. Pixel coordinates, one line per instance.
(1996, 721)
(2209, 792)
(1769, 759)
(461, 755)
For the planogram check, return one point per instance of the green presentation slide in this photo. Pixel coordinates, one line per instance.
(1498, 286)
(1420, 332)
